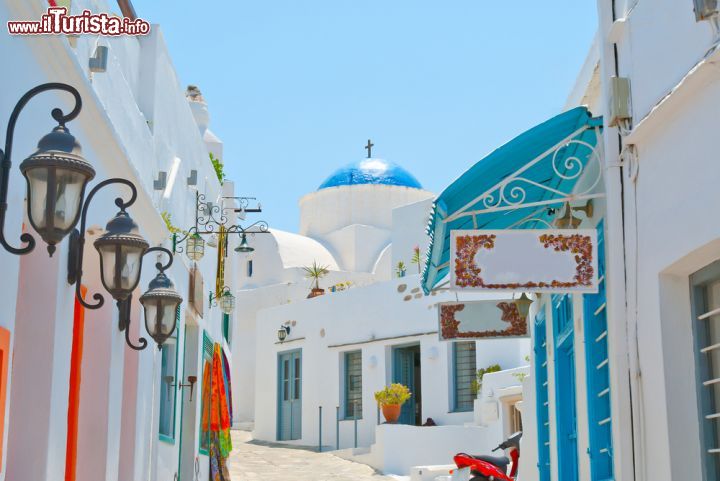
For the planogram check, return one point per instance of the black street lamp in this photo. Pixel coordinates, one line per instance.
(161, 302)
(56, 176)
(121, 250)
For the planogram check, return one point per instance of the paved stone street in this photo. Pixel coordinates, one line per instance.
(251, 461)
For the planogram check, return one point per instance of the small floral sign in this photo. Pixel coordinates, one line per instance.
(558, 261)
(480, 320)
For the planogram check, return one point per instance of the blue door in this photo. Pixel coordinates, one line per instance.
(406, 371)
(289, 395)
(565, 407)
(541, 390)
(598, 374)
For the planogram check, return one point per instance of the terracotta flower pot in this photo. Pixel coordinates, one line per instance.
(391, 412)
(315, 292)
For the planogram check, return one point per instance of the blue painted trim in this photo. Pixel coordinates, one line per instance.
(598, 378)
(541, 396)
(565, 387)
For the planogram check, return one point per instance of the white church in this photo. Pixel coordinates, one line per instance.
(373, 326)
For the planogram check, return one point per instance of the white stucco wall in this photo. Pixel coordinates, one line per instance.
(667, 233)
(372, 319)
(135, 122)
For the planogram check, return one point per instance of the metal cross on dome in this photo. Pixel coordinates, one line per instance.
(369, 147)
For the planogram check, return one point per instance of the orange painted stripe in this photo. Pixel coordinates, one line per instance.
(4, 361)
(74, 389)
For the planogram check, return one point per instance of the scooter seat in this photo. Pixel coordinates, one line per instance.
(499, 461)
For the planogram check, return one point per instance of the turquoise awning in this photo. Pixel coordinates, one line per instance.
(514, 186)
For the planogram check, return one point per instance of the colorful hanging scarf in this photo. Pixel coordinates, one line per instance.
(228, 384)
(220, 442)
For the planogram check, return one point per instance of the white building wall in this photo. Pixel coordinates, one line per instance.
(675, 98)
(135, 122)
(372, 319)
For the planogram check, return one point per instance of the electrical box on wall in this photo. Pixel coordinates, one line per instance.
(705, 9)
(620, 104)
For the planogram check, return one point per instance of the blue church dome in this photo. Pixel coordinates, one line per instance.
(371, 171)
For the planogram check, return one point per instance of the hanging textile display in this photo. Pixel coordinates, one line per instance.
(219, 414)
(228, 384)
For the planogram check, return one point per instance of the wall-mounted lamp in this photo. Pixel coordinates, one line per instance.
(283, 332)
(56, 176)
(191, 383)
(225, 300)
(99, 62)
(522, 304)
(121, 250)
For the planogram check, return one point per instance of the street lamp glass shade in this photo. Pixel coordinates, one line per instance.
(195, 247)
(121, 249)
(244, 246)
(523, 305)
(56, 176)
(161, 303)
(282, 334)
(226, 301)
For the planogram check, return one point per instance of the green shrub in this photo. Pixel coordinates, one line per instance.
(476, 385)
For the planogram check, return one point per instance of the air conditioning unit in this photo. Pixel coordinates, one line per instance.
(705, 9)
(620, 104)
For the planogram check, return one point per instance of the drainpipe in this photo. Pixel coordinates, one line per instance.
(622, 335)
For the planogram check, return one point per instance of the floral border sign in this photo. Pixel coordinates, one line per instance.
(554, 261)
(496, 318)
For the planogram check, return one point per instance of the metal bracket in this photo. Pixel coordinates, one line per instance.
(161, 182)
(192, 178)
(98, 62)
(73, 266)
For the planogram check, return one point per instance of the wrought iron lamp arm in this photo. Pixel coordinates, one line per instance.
(178, 240)
(159, 265)
(124, 311)
(5, 157)
(262, 226)
(205, 214)
(80, 248)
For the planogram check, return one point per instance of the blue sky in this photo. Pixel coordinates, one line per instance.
(295, 88)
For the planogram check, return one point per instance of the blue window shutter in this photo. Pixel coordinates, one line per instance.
(464, 373)
(598, 373)
(353, 384)
(541, 397)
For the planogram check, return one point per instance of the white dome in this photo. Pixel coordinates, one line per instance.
(299, 251)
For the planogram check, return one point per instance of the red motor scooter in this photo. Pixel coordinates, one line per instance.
(489, 468)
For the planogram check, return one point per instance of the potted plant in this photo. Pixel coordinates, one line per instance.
(417, 258)
(391, 398)
(316, 272)
(400, 269)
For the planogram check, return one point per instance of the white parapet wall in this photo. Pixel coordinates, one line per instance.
(399, 447)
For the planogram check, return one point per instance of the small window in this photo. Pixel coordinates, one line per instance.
(249, 268)
(706, 327)
(168, 383)
(206, 383)
(464, 372)
(353, 384)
